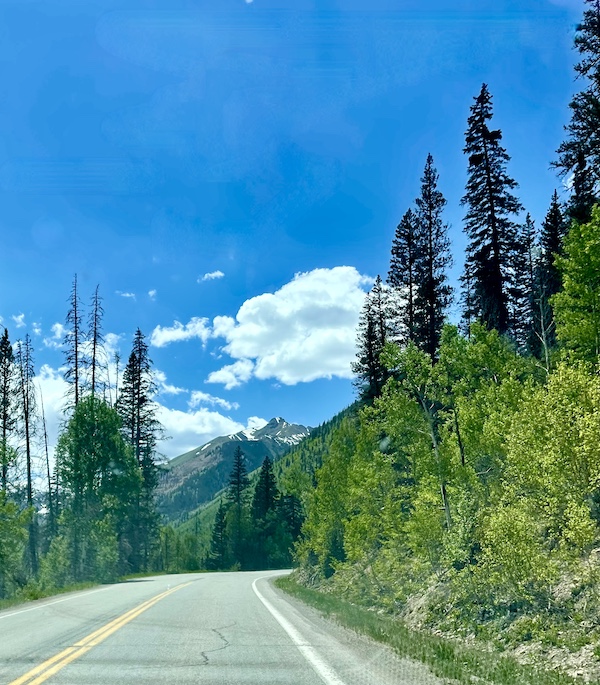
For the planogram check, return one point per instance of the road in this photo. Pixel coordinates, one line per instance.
(218, 629)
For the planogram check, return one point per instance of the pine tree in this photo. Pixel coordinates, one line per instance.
(238, 480)
(7, 407)
(433, 291)
(218, 554)
(74, 344)
(266, 494)
(579, 154)
(96, 339)
(405, 268)
(27, 411)
(489, 222)
(373, 332)
(522, 287)
(237, 524)
(548, 280)
(551, 240)
(140, 427)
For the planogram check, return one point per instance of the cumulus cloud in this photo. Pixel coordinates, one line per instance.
(130, 296)
(152, 294)
(19, 320)
(36, 328)
(186, 429)
(233, 375)
(191, 429)
(165, 388)
(211, 276)
(303, 331)
(196, 328)
(56, 339)
(198, 397)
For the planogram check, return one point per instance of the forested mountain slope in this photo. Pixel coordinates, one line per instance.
(194, 478)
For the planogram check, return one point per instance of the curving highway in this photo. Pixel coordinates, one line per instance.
(218, 629)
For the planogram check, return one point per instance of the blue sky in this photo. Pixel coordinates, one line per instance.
(231, 174)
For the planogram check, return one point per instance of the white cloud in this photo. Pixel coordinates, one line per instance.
(36, 328)
(256, 423)
(152, 294)
(191, 429)
(233, 375)
(58, 334)
(165, 388)
(195, 328)
(198, 397)
(19, 320)
(130, 296)
(211, 276)
(304, 331)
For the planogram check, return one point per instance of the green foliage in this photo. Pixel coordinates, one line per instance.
(13, 538)
(101, 484)
(577, 306)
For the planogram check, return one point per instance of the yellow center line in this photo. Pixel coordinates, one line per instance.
(53, 665)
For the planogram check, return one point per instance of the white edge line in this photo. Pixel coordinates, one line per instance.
(321, 668)
(57, 601)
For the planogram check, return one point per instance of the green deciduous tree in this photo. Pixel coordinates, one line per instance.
(577, 306)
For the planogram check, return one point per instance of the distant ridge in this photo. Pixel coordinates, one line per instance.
(193, 478)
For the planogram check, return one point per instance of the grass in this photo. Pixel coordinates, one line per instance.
(445, 658)
(32, 592)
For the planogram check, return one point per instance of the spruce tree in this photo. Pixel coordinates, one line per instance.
(490, 218)
(27, 414)
(403, 276)
(266, 494)
(7, 407)
(373, 332)
(96, 340)
(218, 553)
(548, 279)
(433, 259)
(522, 287)
(140, 427)
(551, 240)
(74, 345)
(579, 154)
(237, 491)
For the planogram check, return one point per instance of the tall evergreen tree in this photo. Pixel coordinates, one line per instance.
(96, 340)
(433, 291)
(551, 240)
(373, 332)
(237, 492)
(142, 430)
(27, 411)
(266, 494)
(490, 217)
(7, 407)
(403, 276)
(74, 345)
(522, 286)
(548, 279)
(579, 154)
(219, 542)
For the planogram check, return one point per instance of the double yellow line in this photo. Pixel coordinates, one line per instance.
(51, 666)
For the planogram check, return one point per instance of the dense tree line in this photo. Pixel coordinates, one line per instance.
(466, 494)
(256, 527)
(95, 518)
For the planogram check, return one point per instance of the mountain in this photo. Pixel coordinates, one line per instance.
(193, 478)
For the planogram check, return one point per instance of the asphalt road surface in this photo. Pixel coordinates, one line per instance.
(218, 629)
